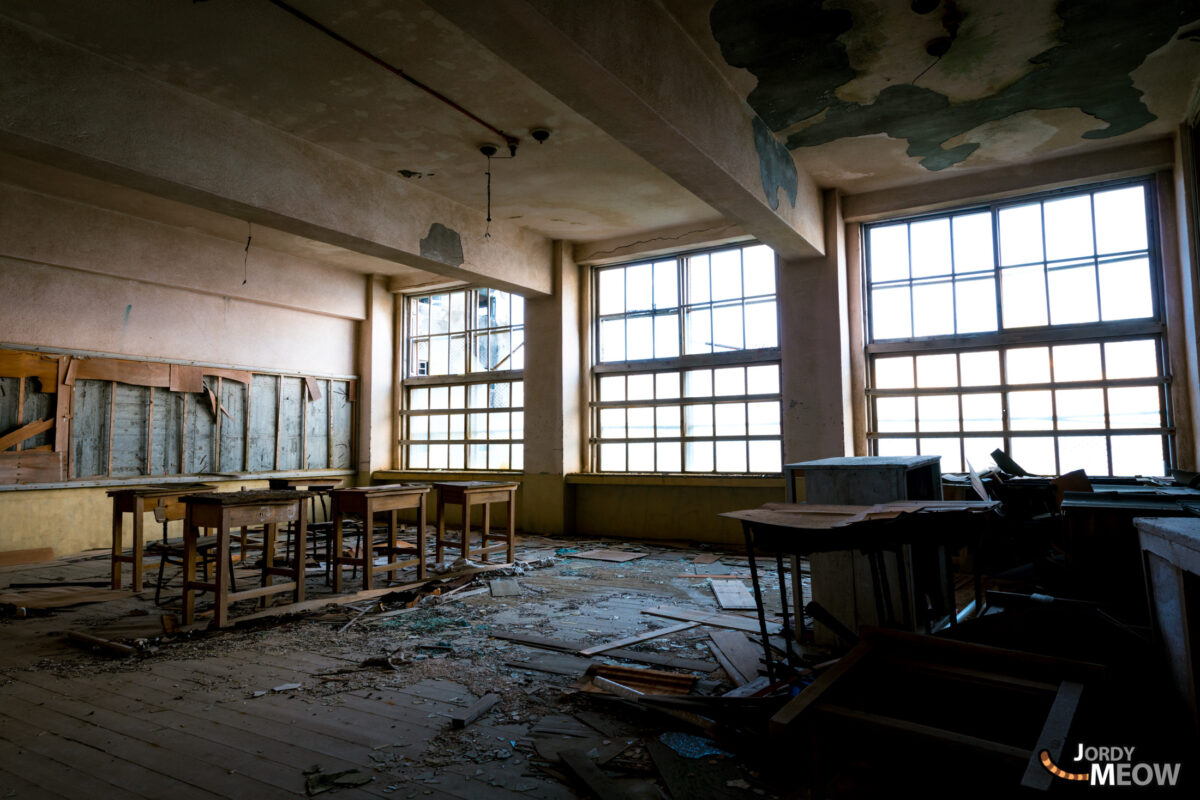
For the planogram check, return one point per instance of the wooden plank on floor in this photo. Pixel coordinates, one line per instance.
(733, 595)
(714, 619)
(37, 555)
(605, 554)
(13, 785)
(737, 655)
(641, 637)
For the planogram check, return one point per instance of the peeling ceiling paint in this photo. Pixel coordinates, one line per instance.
(838, 65)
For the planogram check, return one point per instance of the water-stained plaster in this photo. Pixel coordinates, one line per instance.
(799, 54)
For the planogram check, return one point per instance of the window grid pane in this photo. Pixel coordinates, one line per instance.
(476, 423)
(1030, 268)
(712, 416)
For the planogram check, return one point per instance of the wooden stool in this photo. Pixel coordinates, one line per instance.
(224, 511)
(484, 493)
(364, 502)
(137, 500)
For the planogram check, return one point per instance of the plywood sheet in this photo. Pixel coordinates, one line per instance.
(619, 556)
(716, 620)
(166, 432)
(733, 595)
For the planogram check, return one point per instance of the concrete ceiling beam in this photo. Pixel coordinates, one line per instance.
(66, 107)
(629, 67)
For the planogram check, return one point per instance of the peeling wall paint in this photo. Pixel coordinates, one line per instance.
(794, 50)
(775, 166)
(442, 244)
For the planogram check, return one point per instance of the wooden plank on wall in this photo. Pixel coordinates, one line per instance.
(19, 364)
(263, 421)
(24, 432)
(200, 426)
(31, 466)
(314, 389)
(89, 441)
(241, 376)
(166, 432)
(10, 403)
(233, 426)
(134, 373)
(40, 405)
(342, 411)
(316, 439)
(130, 427)
(291, 419)
(186, 379)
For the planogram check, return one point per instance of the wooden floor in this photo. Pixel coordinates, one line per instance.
(163, 731)
(198, 718)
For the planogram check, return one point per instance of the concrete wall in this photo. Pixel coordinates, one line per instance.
(75, 276)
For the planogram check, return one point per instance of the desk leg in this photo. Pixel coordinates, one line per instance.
(512, 527)
(421, 566)
(368, 546)
(466, 526)
(270, 536)
(441, 528)
(797, 596)
(783, 607)
(118, 521)
(301, 553)
(758, 601)
(487, 529)
(335, 556)
(221, 576)
(189, 567)
(139, 512)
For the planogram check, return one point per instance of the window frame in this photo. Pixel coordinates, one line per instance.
(681, 363)
(1153, 327)
(471, 377)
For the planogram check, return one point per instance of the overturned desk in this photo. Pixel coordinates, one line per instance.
(137, 500)
(223, 511)
(802, 529)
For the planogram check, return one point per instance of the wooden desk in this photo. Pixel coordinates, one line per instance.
(802, 529)
(223, 511)
(364, 502)
(484, 493)
(137, 500)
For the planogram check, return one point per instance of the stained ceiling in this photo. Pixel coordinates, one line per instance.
(866, 94)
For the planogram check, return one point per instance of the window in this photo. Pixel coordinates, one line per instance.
(464, 397)
(687, 364)
(1033, 326)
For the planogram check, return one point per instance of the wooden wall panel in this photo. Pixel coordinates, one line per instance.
(291, 433)
(264, 400)
(90, 429)
(10, 411)
(130, 417)
(233, 426)
(166, 432)
(38, 405)
(343, 425)
(316, 421)
(201, 428)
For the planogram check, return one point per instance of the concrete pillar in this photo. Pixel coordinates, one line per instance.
(553, 422)
(815, 347)
(377, 381)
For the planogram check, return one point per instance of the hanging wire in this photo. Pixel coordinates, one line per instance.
(246, 257)
(487, 234)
